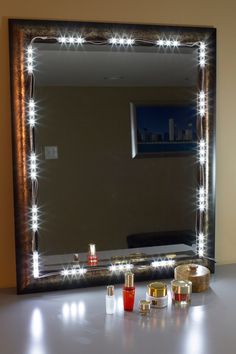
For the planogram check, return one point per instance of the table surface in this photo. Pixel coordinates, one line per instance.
(69, 322)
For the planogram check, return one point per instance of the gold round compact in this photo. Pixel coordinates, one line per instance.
(197, 274)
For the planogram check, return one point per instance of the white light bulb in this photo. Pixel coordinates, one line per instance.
(202, 63)
(168, 43)
(31, 113)
(30, 50)
(202, 95)
(113, 40)
(33, 157)
(202, 160)
(31, 103)
(80, 40)
(202, 54)
(32, 122)
(121, 41)
(35, 264)
(202, 112)
(129, 266)
(34, 209)
(121, 267)
(30, 60)
(112, 268)
(82, 271)
(202, 46)
(175, 43)
(62, 40)
(30, 69)
(35, 226)
(71, 40)
(160, 42)
(202, 144)
(33, 175)
(130, 41)
(201, 237)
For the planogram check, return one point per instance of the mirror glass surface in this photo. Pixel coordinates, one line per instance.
(97, 105)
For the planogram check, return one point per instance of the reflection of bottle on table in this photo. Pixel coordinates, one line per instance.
(92, 257)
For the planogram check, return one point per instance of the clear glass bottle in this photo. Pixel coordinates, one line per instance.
(110, 300)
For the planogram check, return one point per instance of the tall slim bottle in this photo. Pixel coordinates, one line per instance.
(129, 292)
(110, 300)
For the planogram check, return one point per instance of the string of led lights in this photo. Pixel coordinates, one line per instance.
(202, 112)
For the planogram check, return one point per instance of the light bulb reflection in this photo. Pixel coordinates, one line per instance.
(73, 311)
(36, 325)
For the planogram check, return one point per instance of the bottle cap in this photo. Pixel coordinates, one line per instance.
(129, 280)
(110, 290)
(92, 249)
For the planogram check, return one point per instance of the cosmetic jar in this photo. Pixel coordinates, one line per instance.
(197, 274)
(144, 307)
(157, 294)
(181, 291)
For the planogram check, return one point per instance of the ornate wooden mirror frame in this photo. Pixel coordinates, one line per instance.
(23, 35)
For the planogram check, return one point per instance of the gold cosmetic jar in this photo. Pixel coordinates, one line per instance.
(181, 291)
(144, 307)
(197, 274)
(157, 294)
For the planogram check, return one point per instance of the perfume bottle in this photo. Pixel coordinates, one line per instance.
(110, 300)
(92, 257)
(129, 292)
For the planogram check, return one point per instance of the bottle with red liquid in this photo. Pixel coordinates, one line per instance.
(129, 292)
(92, 257)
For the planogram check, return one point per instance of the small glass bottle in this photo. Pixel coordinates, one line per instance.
(92, 257)
(181, 291)
(110, 300)
(129, 292)
(157, 294)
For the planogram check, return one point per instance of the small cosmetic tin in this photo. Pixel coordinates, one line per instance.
(197, 274)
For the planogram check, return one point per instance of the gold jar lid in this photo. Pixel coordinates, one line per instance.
(157, 289)
(196, 273)
(181, 286)
(129, 280)
(144, 306)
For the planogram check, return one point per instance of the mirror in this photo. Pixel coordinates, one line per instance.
(118, 137)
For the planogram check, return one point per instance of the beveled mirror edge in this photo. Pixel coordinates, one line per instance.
(20, 34)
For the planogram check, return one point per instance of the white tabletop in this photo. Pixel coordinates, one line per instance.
(71, 322)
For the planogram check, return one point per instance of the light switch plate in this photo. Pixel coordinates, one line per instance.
(51, 152)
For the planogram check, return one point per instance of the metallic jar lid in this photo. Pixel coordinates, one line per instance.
(197, 274)
(144, 306)
(157, 289)
(110, 290)
(181, 286)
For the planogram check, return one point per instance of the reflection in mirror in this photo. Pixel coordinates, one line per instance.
(103, 111)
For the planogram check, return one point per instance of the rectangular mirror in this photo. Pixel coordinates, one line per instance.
(114, 131)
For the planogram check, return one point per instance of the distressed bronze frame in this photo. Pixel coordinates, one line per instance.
(21, 33)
